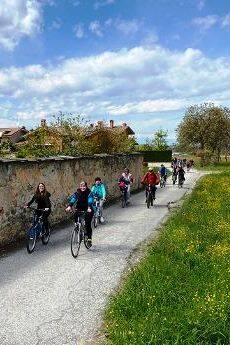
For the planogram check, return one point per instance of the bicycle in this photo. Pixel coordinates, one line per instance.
(174, 178)
(123, 196)
(97, 212)
(180, 182)
(37, 230)
(79, 234)
(163, 181)
(149, 196)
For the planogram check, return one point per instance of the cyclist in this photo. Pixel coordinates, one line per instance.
(150, 178)
(181, 173)
(174, 174)
(42, 199)
(83, 201)
(163, 172)
(174, 162)
(98, 190)
(125, 181)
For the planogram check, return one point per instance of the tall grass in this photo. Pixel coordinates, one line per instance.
(180, 293)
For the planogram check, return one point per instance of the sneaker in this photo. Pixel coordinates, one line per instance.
(102, 219)
(89, 242)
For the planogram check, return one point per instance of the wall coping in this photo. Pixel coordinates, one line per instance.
(64, 158)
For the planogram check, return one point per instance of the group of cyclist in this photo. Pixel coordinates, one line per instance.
(83, 199)
(178, 168)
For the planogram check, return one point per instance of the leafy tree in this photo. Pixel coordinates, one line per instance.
(205, 127)
(147, 146)
(159, 140)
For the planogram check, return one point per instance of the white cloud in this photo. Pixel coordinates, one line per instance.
(79, 30)
(226, 20)
(127, 27)
(102, 3)
(127, 82)
(149, 106)
(96, 28)
(18, 18)
(56, 24)
(207, 22)
(200, 4)
(75, 3)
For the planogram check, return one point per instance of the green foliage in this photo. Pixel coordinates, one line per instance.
(6, 147)
(205, 127)
(159, 140)
(157, 156)
(71, 135)
(179, 294)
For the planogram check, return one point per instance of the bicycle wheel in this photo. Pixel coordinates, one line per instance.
(76, 238)
(31, 240)
(123, 201)
(46, 236)
(148, 200)
(95, 221)
(86, 243)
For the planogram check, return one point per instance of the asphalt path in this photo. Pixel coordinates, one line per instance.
(49, 297)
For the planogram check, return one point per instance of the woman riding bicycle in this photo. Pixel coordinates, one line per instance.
(42, 199)
(125, 181)
(83, 201)
(98, 190)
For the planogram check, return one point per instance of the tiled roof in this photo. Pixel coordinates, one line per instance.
(11, 131)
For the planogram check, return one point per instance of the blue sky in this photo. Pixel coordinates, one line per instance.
(134, 61)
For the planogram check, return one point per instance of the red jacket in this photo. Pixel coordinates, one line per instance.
(150, 178)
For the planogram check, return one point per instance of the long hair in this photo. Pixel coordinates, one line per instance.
(38, 193)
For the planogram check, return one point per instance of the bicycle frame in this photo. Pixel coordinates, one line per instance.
(37, 223)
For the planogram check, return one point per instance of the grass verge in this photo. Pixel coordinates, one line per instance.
(179, 294)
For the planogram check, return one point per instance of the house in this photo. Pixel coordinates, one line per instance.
(45, 136)
(119, 129)
(13, 135)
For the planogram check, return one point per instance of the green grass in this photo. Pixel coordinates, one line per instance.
(222, 166)
(180, 292)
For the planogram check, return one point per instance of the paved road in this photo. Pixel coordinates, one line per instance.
(50, 298)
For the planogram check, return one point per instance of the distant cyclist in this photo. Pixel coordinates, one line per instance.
(83, 201)
(42, 199)
(126, 179)
(150, 178)
(181, 174)
(98, 190)
(163, 172)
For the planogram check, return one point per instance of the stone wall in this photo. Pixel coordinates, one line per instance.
(19, 179)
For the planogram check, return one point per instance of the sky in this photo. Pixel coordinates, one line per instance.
(134, 61)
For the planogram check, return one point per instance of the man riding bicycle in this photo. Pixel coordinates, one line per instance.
(98, 190)
(150, 179)
(83, 201)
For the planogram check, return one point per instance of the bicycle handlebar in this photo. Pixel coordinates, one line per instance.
(36, 209)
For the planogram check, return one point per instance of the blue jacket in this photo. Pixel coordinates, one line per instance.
(83, 200)
(163, 171)
(99, 190)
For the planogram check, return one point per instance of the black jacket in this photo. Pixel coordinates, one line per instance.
(42, 201)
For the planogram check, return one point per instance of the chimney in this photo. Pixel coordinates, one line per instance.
(43, 123)
(111, 123)
(100, 124)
